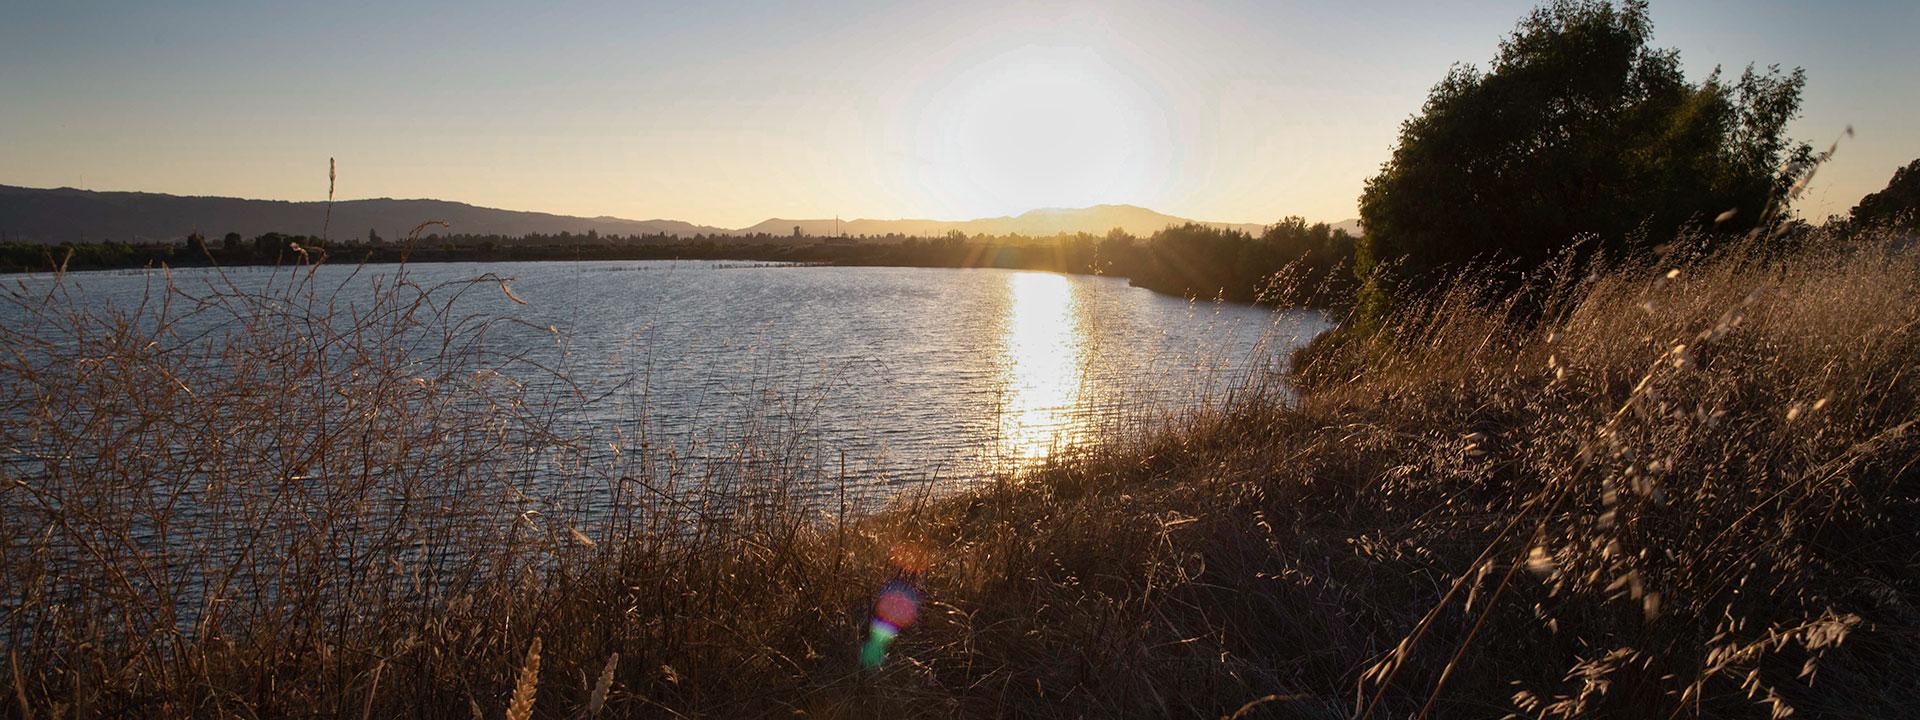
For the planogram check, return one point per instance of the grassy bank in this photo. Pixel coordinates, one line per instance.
(1678, 489)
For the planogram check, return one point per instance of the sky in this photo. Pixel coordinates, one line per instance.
(729, 113)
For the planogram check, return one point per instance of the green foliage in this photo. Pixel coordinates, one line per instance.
(1897, 206)
(1291, 262)
(1579, 127)
(269, 245)
(1370, 302)
(25, 257)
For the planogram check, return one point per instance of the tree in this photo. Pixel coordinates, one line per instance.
(1291, 262)
(1897, 206)
(1579, 128)
(269, 245)
(232, 244)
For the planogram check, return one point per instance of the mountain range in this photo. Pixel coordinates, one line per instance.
(72, 215)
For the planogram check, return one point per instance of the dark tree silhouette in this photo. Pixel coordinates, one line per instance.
(1897, 206)
(1291, 262)
(269, 245)
(1579, 128)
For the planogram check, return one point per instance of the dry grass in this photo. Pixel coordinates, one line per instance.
(1659, 494)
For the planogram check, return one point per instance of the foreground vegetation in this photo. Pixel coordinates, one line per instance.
(1683, 488)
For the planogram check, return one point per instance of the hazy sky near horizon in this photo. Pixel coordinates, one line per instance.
(727, 114)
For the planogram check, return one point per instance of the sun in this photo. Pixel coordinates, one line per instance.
(1039, 127)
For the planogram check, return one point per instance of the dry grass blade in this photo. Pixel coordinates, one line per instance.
(521, 706)
(509, 292)
(598, 698)
(1257, 702)
(19, 687)
(373, 690)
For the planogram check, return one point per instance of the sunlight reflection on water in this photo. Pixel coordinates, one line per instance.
(1043, 343)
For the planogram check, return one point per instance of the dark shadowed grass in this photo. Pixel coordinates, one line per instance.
(1673, 490)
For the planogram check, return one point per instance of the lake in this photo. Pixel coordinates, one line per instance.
(896, 377)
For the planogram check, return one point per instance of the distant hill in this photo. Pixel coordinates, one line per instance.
(1049, 221)
(70, 215)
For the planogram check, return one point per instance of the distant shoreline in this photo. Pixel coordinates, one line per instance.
(1035, 254)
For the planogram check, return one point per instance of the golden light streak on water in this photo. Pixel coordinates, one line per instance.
(1044, 346)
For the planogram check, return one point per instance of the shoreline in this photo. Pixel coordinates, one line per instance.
(771, 259)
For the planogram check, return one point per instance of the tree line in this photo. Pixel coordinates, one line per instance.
(1192, 260)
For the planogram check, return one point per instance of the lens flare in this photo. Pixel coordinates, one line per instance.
(899, 605)
(896, 607)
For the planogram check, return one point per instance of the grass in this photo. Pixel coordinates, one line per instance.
(1675, 489)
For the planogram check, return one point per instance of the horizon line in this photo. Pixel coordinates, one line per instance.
(767, 219)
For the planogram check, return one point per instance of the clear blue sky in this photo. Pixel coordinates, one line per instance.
(729, 114)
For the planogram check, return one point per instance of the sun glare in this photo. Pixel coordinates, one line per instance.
(1039, 127)
(1043, 347)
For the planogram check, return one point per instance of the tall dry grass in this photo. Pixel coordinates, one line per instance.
(284, 495)
(1682, 489)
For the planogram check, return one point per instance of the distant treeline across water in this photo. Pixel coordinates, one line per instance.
(1291, 262)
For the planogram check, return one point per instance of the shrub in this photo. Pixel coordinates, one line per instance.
(1579, 127)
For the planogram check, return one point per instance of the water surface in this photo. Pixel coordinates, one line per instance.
(898, 375)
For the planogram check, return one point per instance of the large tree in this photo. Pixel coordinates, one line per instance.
(1579, 127)
(1897, 206)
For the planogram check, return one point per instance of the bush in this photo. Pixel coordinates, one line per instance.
(1579, 127)
(1897, 206)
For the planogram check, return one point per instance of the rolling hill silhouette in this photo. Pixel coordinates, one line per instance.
(72, 215)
